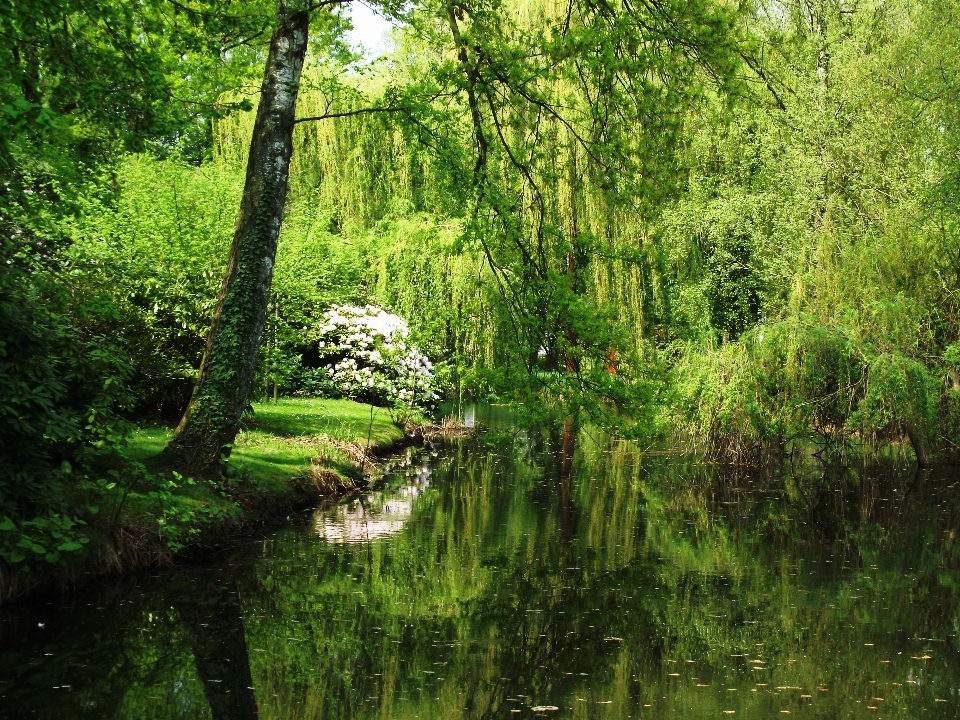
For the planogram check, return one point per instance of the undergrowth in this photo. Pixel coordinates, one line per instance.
(283, 447)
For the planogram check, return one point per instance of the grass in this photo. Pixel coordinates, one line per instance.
(282, 440)
(136, 515)
(279, 445)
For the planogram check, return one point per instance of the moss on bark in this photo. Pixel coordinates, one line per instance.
(212, 419)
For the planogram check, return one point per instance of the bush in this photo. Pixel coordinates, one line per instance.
(62, 389)
(901, 397)
(784, 381)
(800, 380)
(366, 356)
(158, 245)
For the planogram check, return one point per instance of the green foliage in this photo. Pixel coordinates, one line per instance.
(158, 246)
(951, 356)
(798, 381)
(180, 518)
(833, 196)
(63, 385)
(783, 382)
(80, 84)
(469, 182)
(722, 265)
(108, 75)
(900, 391)
(577, 211)
(48, 538)
(733, 288)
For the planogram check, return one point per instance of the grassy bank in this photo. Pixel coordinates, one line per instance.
(294, 437)
(288, 455)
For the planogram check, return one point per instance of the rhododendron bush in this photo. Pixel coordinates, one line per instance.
(367, 356)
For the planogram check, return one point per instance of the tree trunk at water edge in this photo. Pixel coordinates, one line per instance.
(919, 445)
(212, 419)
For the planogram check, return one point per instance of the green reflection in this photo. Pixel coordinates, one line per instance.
(487, 579)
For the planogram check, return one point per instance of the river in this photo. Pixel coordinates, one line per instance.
(504, 577)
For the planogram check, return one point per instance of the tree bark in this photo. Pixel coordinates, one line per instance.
(919, 444)
(212, 419)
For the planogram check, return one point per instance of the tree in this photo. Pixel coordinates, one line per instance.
(574, 116)
(212, 420)
(589, 80)
(81, 82)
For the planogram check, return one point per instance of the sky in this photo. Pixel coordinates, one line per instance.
(368, 29)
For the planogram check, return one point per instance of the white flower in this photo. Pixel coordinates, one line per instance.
(378, 358)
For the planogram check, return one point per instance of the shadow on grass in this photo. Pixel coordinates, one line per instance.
(341, 419)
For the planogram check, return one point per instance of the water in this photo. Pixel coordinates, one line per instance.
(497, 580)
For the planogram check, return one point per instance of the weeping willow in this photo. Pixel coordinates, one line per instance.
(501, 198)
(564, 197)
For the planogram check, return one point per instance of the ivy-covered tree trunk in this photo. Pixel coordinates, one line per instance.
(212, 419)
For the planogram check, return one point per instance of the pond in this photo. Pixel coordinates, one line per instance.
(545, 575)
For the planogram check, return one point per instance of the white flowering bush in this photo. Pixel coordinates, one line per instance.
(367, 356)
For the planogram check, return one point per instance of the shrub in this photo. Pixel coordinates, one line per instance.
(784, 381)
(62, 387)
(901, 397)
(366, 355)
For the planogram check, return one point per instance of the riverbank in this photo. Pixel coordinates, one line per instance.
(288, 456)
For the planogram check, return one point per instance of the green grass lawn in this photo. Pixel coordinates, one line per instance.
(282, 440)
(295, 438)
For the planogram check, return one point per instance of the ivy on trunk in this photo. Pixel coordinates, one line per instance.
(212, 419)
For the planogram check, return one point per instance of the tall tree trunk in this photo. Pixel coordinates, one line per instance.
(212, 419)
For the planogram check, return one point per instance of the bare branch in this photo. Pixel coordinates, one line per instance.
(351, 113)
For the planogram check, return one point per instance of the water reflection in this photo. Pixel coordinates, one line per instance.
(542, 570)
(213, 618)
(372, 515)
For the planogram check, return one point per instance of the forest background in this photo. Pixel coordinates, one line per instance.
(735, 226)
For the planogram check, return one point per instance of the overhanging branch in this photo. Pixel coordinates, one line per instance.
(350, 113)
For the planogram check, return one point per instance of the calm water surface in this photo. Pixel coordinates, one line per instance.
(505, 578)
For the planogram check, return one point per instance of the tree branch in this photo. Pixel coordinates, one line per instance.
(757, 68)
(350, 113)
(473, 79)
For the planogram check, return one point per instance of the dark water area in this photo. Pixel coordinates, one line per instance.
(525, 575)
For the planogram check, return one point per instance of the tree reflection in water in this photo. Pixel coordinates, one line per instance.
(534, 570)
(212, 614)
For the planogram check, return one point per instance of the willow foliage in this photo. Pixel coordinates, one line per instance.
(501, 191)
(831, 184)
(740, 225)
(625, 207)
